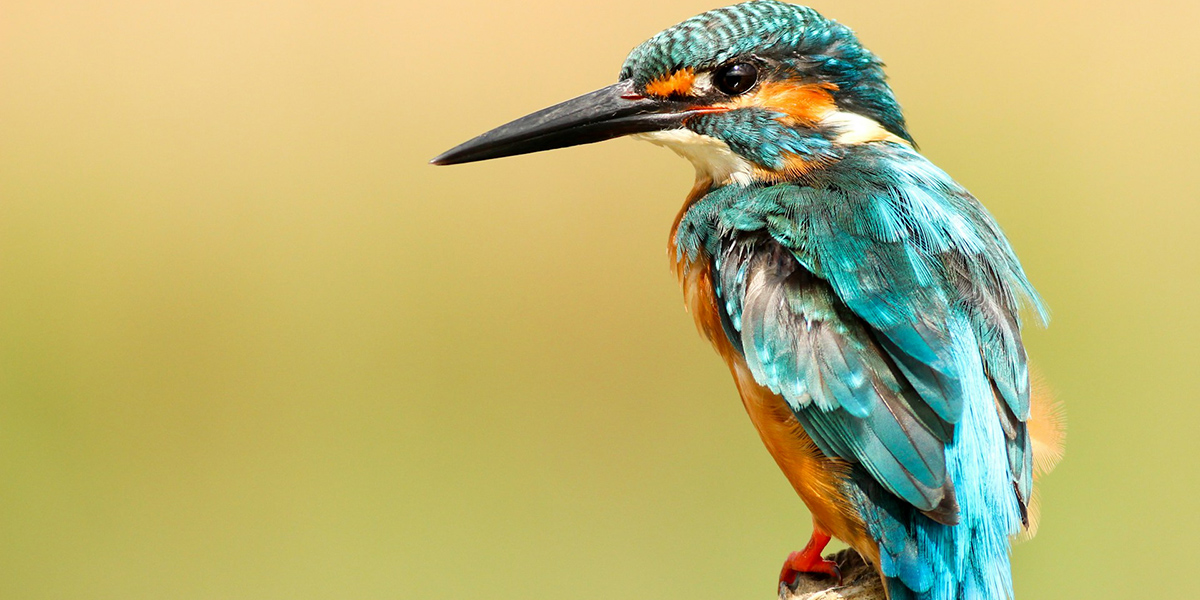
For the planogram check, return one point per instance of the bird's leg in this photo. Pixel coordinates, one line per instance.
(809, 560)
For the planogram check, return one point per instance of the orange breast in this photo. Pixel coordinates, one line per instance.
(816, 478)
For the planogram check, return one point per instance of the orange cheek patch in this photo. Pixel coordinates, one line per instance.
(678, 83)
(804, 104)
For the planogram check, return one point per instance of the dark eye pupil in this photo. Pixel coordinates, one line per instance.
(736, 79)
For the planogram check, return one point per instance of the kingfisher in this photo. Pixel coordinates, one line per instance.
(867, 305)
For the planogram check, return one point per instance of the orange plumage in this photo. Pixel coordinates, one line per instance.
(815, 477)
(678, 83)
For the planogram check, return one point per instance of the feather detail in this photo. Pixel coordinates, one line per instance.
(1047, 427)
(1047, 430)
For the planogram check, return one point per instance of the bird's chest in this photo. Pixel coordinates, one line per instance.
(768, 411)
(696, 279)
(816, 478)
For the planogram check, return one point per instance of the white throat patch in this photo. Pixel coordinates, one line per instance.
(712, 157)
(853, 128)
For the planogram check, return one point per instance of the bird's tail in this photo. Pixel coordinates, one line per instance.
(967, 569)
(922, 559)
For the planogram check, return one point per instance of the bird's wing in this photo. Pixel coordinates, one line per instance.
(801, 341)
(877, 302)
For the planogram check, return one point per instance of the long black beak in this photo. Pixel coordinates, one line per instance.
(604, 114)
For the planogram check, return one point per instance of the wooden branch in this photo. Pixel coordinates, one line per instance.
(860, 581)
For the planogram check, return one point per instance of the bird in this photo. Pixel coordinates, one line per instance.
(867, 305)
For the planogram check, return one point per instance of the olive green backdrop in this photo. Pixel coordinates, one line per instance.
(253, 347)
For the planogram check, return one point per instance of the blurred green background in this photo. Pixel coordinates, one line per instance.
(252, 346)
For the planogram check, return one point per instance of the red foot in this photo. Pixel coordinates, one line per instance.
(809, 560)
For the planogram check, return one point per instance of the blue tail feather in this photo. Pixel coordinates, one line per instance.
(922, 559)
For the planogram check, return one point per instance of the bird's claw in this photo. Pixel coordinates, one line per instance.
(805, 561)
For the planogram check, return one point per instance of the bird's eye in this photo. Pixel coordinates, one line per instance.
(736, 78)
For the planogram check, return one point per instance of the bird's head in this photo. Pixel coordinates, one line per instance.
(759, 90)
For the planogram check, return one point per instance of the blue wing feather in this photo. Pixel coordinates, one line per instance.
(802, 342)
